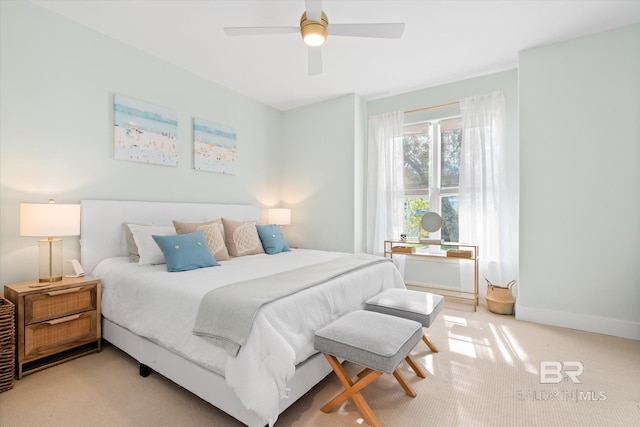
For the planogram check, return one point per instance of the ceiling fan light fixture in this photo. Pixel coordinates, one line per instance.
(314, 29)
(313, 33)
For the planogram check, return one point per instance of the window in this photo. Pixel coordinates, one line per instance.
(431, 175)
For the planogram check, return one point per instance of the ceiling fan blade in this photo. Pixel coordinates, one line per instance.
(256, 31)
(314, 10)
(384, 31)
(315, 61)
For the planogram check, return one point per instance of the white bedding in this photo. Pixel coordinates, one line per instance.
(162, 307)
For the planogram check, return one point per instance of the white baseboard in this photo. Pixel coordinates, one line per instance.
(580, 321)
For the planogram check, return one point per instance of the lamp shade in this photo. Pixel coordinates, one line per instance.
(49, 219)
(280, 216)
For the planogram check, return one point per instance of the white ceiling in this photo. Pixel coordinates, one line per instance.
(444, 41)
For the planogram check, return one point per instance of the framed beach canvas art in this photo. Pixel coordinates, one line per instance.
(214, 147)
(144, 132)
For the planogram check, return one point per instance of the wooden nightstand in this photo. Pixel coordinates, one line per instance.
(55, 323)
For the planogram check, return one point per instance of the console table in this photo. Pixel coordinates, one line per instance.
(462, 252)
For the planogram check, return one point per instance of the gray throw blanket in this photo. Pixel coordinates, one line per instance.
(226, 314)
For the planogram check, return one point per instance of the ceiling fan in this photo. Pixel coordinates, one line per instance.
(314, 28)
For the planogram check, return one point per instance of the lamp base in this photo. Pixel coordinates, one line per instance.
(50, 251)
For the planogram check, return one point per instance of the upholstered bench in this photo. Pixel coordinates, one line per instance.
(420, 306)
(376, 341)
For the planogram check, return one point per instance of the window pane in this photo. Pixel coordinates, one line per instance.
(451, 136)
(414, 209)
(417, 157)
(450, 206)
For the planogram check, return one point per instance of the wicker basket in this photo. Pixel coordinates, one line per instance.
(500, 299)
(7, 344)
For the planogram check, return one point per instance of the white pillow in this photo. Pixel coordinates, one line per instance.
(149, 251)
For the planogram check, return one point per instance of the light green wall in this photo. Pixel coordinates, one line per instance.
(580, 183)
(320, 173)
(359, 185)
(57, 81)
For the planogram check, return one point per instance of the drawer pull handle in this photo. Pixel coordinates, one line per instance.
(63, 319)
(64, 291)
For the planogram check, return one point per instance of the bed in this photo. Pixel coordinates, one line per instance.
(149, 313)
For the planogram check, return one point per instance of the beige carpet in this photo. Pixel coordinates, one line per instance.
(486, 374)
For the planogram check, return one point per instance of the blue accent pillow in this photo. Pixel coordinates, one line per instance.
(272, 239)
(185, 252)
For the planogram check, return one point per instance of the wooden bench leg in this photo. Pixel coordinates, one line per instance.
(405, 385)
(364, 372)
(428, 342)
(416, 368)
(352, 390)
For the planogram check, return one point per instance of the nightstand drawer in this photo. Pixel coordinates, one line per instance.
(59, 334)
(59, 303)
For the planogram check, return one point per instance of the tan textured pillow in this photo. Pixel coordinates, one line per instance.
(213, 232)
(190, 227)
(242, 237)
(214, 237)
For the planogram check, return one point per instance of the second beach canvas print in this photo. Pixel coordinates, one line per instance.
(214, 147)
(144, 132)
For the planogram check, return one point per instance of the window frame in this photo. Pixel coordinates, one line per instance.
(435, 191)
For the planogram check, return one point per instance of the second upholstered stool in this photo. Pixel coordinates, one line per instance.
(420, 306)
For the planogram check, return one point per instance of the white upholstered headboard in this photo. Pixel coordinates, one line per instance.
(101, 227)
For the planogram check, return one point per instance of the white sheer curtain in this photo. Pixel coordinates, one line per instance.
(385, 181)
(484, 205)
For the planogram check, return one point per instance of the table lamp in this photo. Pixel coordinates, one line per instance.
(49, 220)
(279, 216)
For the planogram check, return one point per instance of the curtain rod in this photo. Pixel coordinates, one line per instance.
(433, 107)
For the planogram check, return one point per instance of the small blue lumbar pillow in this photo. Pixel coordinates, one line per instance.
(272, 239)
(185, 251)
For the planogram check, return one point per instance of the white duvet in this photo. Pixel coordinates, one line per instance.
(162, 306)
